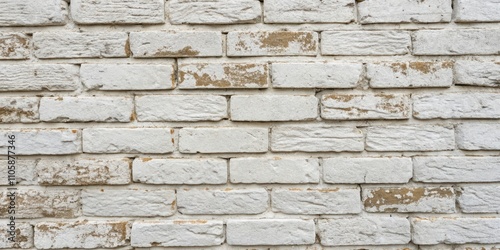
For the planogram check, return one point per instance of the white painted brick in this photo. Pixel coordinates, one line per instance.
(214, 11)
(316, 201)
(128, 140)
(456, 105)
(118, 11)
(410, 138)
(477, 73)
(457, 42)
(42, 141)
(273, 108)
(477, 10)
(272, 43)
(365, 106)
(390, 42)
(316, 75)
(176, 44)
(36, 77)
(456, 169)
(410, 74)
(223, 140)
(397, 11)
(83, 172)
(19, 109)
(90, 109)
(25, 173)
(33, 12)
(177, 233)
(367, 231)
(270, 232)
(145, 203)
(128, 76)
(315, 11)
(477, 136)
(367, 170)
(81, 234)
(14, 45)
(479, 199)
(315, 138)
(23, 238)
(180, 171)
(277, 170)
(180, 108)
(80, 45)
(429, 231)
(229, 201)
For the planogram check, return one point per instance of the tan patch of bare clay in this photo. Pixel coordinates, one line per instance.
(6, 112)
(181, 222)
(341, 98)
(424, 67)
(447, 65)
(84, 176)
(399, 67)
(128, 51)
(10, 43)
(186, 51)
(120, 228)
(235, 75)
(403, 196)
(280, 40)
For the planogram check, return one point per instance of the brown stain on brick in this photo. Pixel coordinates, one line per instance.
(399, 67)
(424, 67)
(11, 44)
(173, 205)
(235, 75)
(403, 196)
(133, 117)
(128, 51)
(146, 159)
(340, 98)
(186, 51)
(6, 112)
(77, 175)
(120, 228)
(181, 222)
(447, 65)
(324, 190)
(280, 40)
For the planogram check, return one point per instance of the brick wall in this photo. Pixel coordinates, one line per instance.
(245, 124)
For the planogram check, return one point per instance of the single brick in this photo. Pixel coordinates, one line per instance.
(315, 11)
(456, 169)
(410, 74)
(273, 108)
(176, 44)
(316, 75)
(156, 108)
(178, 233)
(476, 10)
(316, 201)
(456, 105)
(371, 43)
(223, 140)
(19, 109)
(42, 141)
(214, 11)
(81, 234)
(14, 45)
(23, 235)
(33, 12)
(128, 140)
(90, 109)
(270, 232)
(429, 231)
(316, 139)
(368, 231)
(180, 171)
(396, 11)
(25, 173)
(410, 138)
(367, 170)
(118, 11)
(479, 199)
(229, 201)
(475, 136)
(80, 45)
(145, 203)
(128, 76)
(457, 42)
(272, 43)
(36, 77)
(222, 75)
(277, 170)
(477, 73)
(83, 172)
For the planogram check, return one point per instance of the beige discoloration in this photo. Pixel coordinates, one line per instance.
(14, 46)
(6, 113)
(224, 75)
(282, 39)
(193, 222)
(38, 204)
(403, 196)
(186, 51)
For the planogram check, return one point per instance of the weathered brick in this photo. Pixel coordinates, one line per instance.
(456, 169)
(477, 73)
(476, 136)
(222, 75)
(223, 140)
(314, 138)
(81, 234)
(277, 170)
(316, 201)
(23, 235)
(176, 44)
(457, 42)
(19, 109)
(272, 43)
(180, 171)
(410, 138)
(36, 77)
(33, 12)
(25, 172)
(270, 232)
(118, 11)
(14, 46)
(410, 74)
(456, 105)
(273, 108)
(42, 141)
(128, 140)
(396, 11)
(214, 11)
(367, 170)
(368, 231)
(229, 201)
(180, 108)
(128, 76)
(80, 45)
(83, 172)
(178, 233)
(479, 199)
(365, 106)
(391, 42)
(476, 10)
(315, 11)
